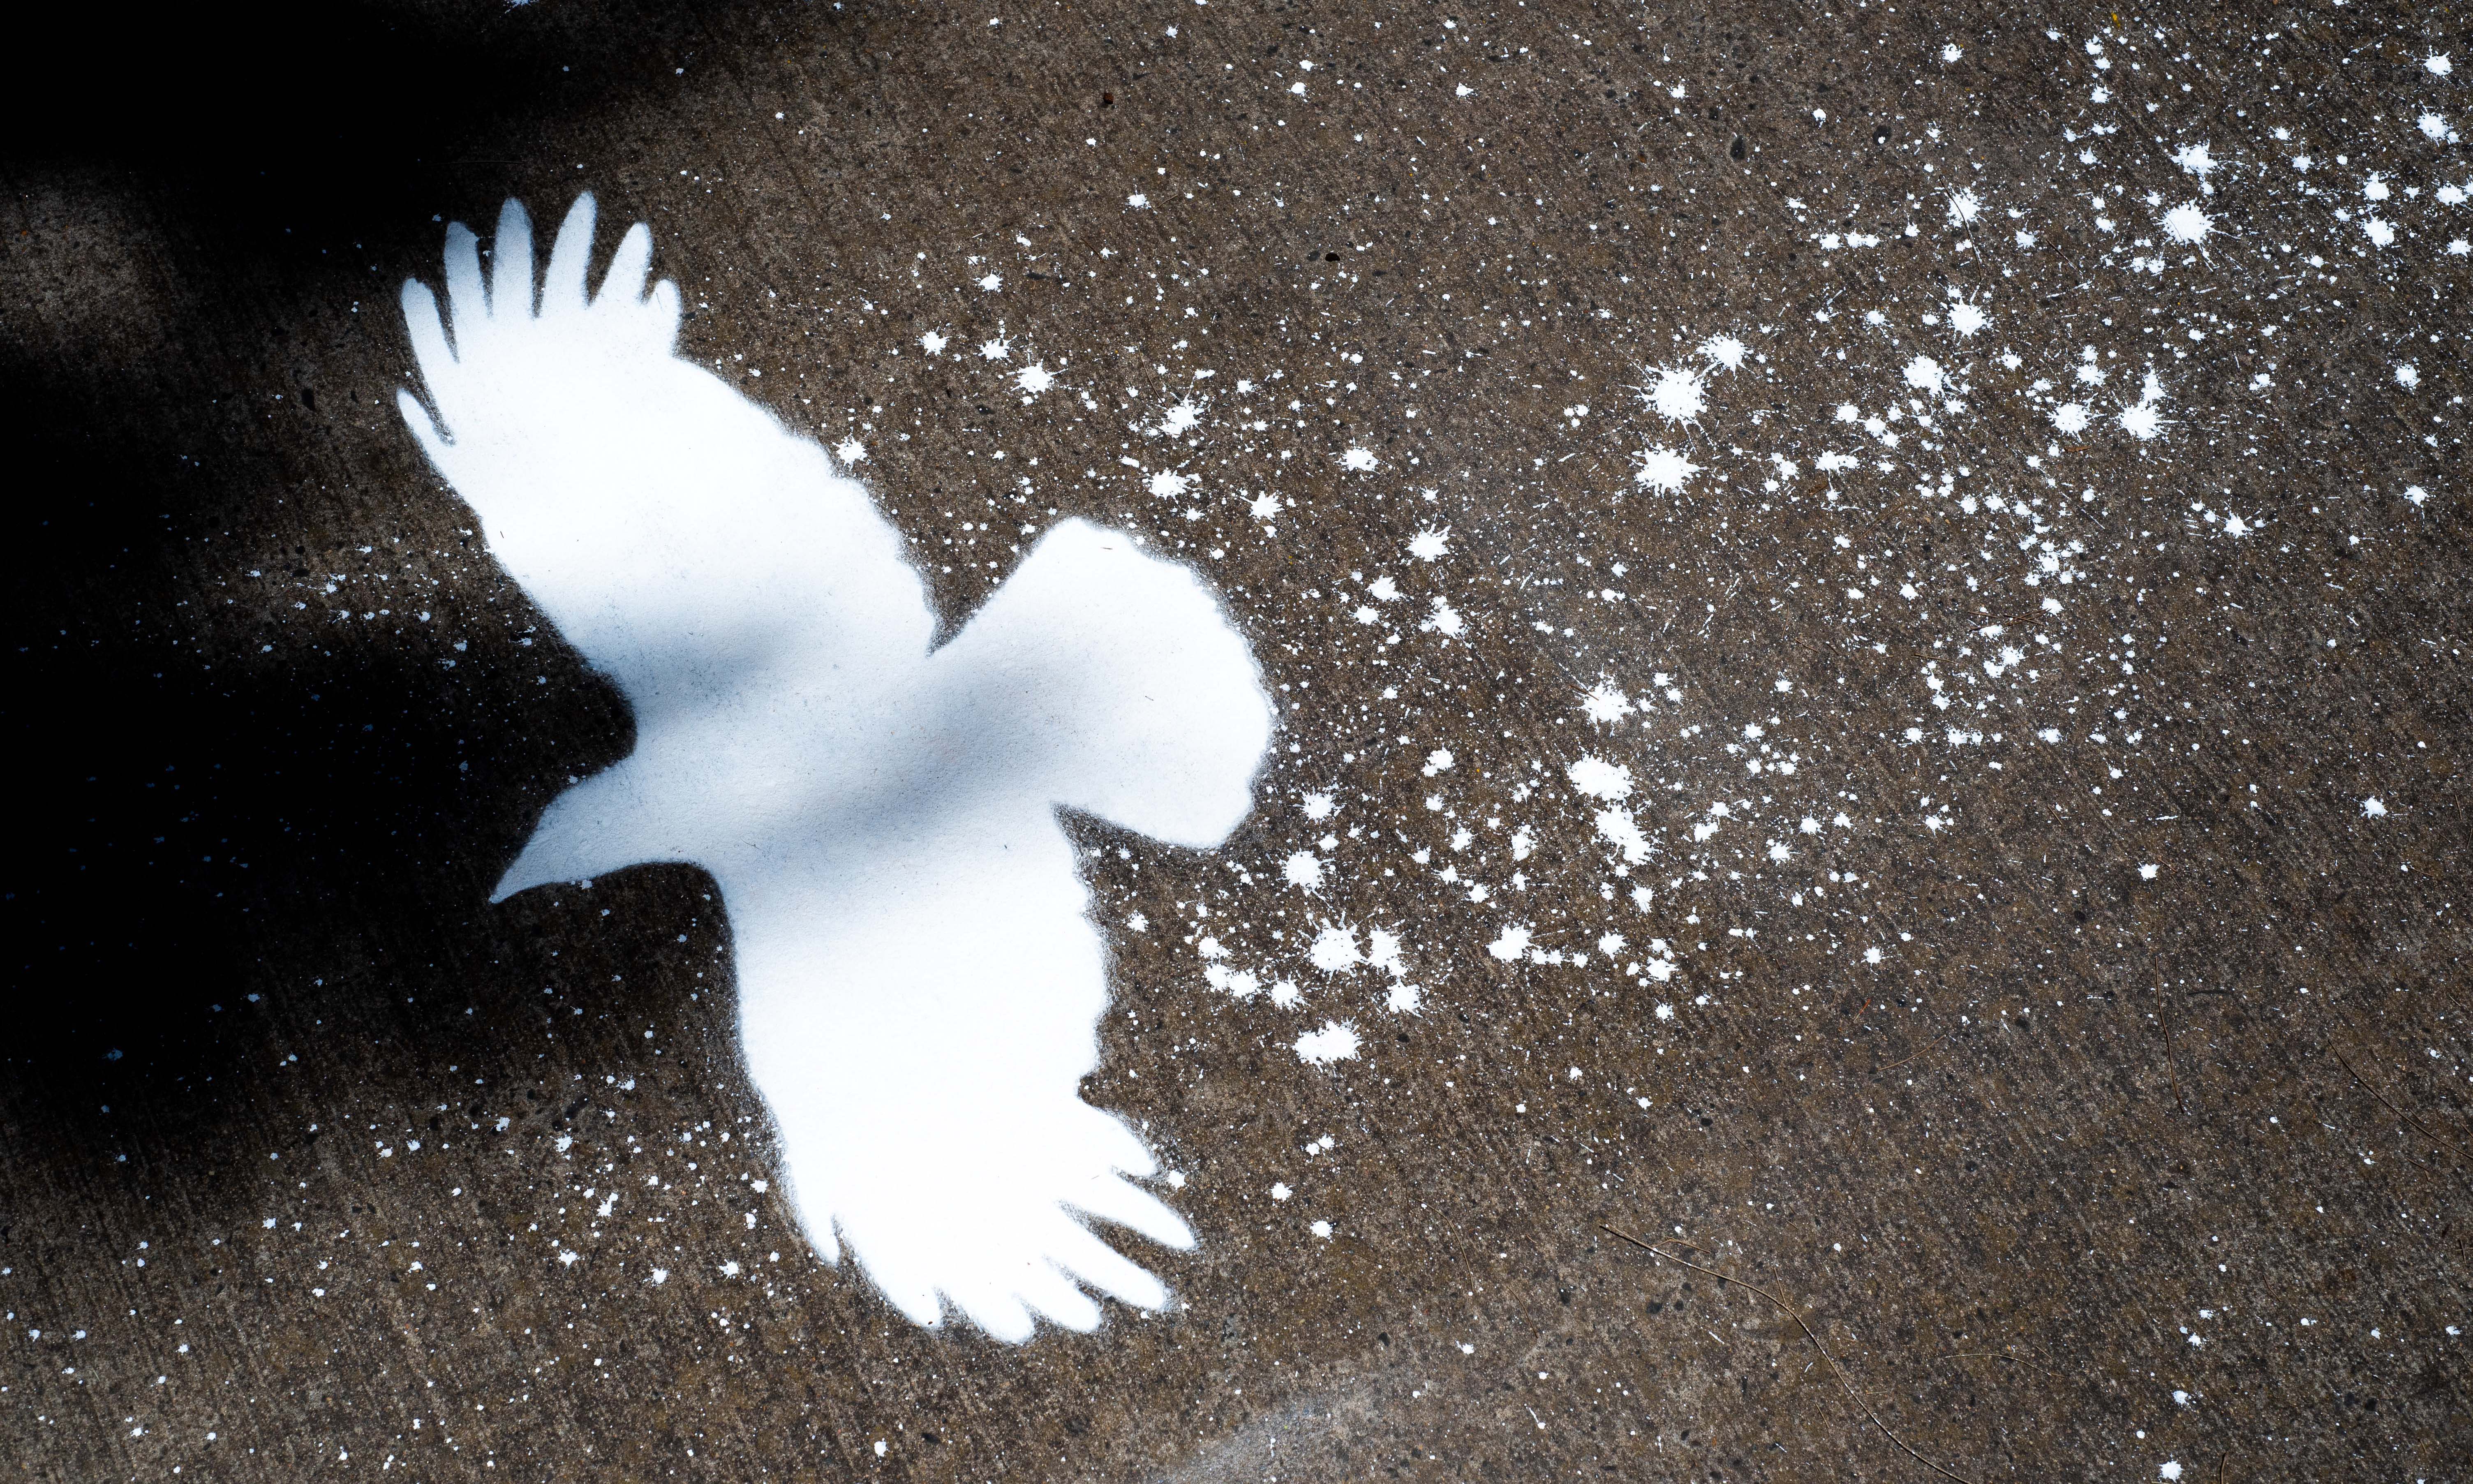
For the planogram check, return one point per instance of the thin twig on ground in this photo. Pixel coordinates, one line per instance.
(2447, 1144)
(1835, 1368)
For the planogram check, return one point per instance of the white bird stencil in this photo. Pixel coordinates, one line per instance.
(919, 982)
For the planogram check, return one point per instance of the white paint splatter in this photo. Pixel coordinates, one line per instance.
(933, 342)
(2373, 808)
(1336, 1041)
(1617, 828)
(1384, 950)
(1677, 393)
(1605, 704)
(1034, 379)
(1964, 206)
(1726, 350)
(2070, 418)
(1430, 543)
(1607, 781)
(1925, 375)
(1334, 948)
(1512, 944)
(2187, 224)
(1304, 870)
(1664, 469)
(1362, 460)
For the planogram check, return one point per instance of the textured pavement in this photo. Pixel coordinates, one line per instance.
(1966, 846)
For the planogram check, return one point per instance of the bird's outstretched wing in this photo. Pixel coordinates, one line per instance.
(918, 1016)
(682, 538)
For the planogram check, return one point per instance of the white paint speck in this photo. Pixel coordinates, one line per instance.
(2187, 224)
(1677, 393)
(1334, 948)
(1336, 1041)
(1664, 469)
(1602, 779)
(1605, 704)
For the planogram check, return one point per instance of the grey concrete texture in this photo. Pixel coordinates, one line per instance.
(2090, 1075)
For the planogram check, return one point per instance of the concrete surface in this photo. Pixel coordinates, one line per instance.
(2094, 1171)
